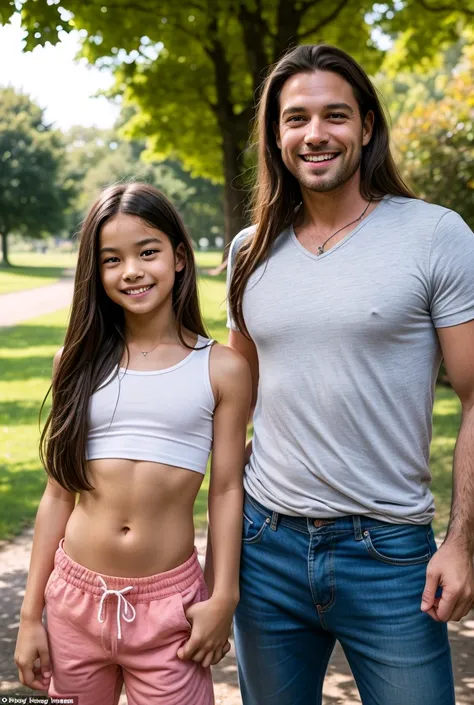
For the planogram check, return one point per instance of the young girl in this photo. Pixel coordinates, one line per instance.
(140, 395)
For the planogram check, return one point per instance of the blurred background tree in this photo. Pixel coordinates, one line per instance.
(33, 191)
(188, 76)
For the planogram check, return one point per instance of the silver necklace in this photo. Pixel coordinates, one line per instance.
(145, 352)
(321, 247)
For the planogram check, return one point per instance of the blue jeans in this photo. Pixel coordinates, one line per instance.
(306, 583)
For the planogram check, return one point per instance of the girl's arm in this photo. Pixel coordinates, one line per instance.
(54, 511)
(211, 621)
(233, 384)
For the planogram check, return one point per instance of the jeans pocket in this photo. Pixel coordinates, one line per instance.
(399, 544)
(254, 524)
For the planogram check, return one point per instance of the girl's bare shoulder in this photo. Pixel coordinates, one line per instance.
(229, 369)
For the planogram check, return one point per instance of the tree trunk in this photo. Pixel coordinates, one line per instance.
(235, 195)
(5, 261)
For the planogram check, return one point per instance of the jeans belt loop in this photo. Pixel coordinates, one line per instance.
(357, 528)
(274, 521)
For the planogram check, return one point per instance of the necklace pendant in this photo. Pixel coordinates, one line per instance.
(144, 353)
(321, 250)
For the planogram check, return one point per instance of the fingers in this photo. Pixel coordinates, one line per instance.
(454, 604)
(429, 593)
(45, 663)
(32, 677)
(208, 655)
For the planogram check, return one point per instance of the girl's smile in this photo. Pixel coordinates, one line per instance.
(138, 264)
(138, 292)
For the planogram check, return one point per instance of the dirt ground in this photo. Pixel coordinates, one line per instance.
(339, 688)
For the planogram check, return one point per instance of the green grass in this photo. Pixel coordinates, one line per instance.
(26, 353)
(31, 270)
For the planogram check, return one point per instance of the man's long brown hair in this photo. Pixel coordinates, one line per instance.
(276, 192)
(95, 338)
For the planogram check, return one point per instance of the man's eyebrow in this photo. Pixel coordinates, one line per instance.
(339, 106)
(293, 109)
(140, 243)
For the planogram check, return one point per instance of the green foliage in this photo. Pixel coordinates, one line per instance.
(193, 69)
(33, 195)
(435, 142)
(100, 157)
(421, 29)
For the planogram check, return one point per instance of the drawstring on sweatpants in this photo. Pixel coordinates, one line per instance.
(124, 608)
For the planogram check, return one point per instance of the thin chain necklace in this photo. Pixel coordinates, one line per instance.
(145, 352)
(321, 247)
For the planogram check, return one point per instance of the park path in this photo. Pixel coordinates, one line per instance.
(21, 306)
(339, 688)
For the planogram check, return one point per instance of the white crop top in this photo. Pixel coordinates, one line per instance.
(165, 416)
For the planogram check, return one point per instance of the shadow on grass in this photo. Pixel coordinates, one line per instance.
(22, 337)
(46, 272)
(21, 487)
(20, 413)
(24, 368)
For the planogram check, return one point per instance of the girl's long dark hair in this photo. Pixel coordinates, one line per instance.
(276, 192)
(95, 342)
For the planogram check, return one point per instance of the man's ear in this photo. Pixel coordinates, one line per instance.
(180, 258)
(276, 130)
(367, 128)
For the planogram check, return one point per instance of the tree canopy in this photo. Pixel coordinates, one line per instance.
(435, 141)
(98, 157)
(194, 68)
(33, 195)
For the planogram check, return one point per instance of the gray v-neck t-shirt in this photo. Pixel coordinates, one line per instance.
(348, 360)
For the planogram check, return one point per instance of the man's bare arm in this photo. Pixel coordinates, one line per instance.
(452, 566)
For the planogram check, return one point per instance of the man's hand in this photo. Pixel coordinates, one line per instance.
(450, 569)
(210, 628)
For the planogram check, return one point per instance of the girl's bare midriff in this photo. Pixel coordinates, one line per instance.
(138, 521)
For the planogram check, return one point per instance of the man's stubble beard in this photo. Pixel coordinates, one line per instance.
(340, 178)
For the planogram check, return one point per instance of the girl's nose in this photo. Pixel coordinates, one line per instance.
(132, 273)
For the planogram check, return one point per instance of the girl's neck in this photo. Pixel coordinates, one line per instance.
(152, 328)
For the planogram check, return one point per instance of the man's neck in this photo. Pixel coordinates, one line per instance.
(331, 209)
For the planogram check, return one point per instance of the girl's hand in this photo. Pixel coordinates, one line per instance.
(31, 646)
(210, 628)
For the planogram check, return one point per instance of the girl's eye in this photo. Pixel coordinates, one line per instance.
(148, 253)
(111, 260)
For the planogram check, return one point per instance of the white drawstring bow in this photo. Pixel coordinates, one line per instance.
(122, 602)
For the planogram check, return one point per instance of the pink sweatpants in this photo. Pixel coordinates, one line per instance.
(104, 631)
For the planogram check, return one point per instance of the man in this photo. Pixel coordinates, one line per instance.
(343, 298)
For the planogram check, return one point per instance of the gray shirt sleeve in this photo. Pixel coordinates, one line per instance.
(234, 248)
(452, 272)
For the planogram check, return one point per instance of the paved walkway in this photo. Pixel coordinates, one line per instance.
(14, 558)
(339, 686)
(21, 306)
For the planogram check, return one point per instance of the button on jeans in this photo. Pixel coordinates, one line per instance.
(306, 583)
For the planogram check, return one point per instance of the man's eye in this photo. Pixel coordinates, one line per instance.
(296, 118)
(337, 116)
(148, 253)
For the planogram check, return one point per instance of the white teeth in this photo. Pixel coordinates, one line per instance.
(321, 158)
(138, 291)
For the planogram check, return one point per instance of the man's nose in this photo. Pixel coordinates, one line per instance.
(316, 132)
